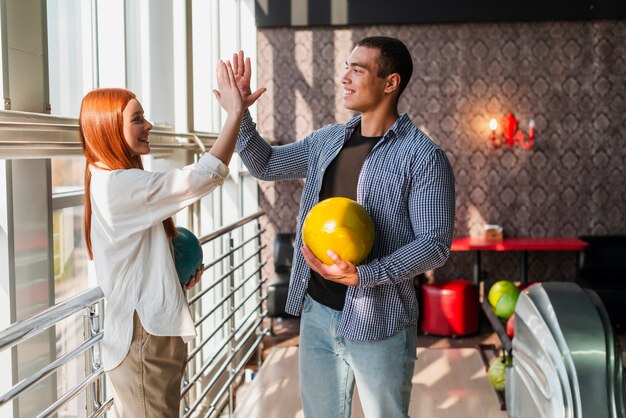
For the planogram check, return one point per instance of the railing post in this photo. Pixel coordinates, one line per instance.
(185, 401)
(231, 322)
(259, 356)
(95, 396)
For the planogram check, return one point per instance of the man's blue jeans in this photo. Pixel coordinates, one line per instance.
(330, 365)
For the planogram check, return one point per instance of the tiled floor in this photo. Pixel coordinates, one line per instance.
(447, 383)
(450, 378)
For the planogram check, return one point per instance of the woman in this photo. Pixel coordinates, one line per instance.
(128, 230)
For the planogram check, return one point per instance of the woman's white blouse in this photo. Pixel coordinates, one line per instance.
(132, 254)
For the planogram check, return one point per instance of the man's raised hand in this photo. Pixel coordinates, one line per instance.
(243, 72)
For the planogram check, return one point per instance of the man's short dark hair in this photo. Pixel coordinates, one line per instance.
(394, 58)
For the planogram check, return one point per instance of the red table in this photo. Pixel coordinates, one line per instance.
(478, 244)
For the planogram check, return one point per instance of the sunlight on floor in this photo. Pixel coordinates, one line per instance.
(448, 383)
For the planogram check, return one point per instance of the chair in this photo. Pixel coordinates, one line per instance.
(451, 308)
(278, 284)
(602, 268)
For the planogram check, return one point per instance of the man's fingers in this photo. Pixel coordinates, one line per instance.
(254, 96)
(248, 69)
(242, 63)
(238, 63)
(235, 62)
(334, 257)
(310, 259)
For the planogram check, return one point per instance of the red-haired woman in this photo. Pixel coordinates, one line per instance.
(128, 229)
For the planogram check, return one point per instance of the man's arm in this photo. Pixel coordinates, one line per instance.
(267, 162)
(431, 208)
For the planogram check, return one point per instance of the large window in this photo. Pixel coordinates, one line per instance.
(151, 48)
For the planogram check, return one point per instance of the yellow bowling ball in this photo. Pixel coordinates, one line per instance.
(341, 225)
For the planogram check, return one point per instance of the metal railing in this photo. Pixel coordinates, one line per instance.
(215, 362)
(33, 135)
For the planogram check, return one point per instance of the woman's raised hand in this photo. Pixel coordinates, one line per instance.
(228, 94)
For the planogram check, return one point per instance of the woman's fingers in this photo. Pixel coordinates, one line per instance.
(195, 279)
(231, 74)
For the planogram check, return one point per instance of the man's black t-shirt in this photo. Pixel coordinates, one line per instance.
(340, 179)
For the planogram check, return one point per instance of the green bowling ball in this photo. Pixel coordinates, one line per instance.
(187, 254)
(496, 373)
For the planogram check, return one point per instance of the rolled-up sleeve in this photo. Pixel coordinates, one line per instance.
(267, 162)
(137, 199)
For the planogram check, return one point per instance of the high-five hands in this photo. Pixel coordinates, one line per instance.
(243, 73)
(235, 97)
(228, 94)
(341, 271)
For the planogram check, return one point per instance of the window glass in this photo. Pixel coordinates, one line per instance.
(150, 58)
(70, 253)
(70, 55)
(205, 56)
(67, 174)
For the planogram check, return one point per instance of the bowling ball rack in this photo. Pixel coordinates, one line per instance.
(505, 341)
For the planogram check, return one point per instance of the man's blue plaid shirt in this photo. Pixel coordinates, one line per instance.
(406, 185)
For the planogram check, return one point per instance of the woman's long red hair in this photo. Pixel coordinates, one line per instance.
(102, 135)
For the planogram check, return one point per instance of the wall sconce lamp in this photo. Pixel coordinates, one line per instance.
(510, 134)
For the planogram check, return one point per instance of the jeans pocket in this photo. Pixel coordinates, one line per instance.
(307, 304)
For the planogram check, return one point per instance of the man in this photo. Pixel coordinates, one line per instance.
(358, 323)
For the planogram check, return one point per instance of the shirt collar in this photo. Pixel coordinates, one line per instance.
(401, 125)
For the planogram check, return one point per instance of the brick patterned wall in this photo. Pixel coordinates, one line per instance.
(569, 76)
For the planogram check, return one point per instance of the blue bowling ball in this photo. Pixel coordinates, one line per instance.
(187, 254)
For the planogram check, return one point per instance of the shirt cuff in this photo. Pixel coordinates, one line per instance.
(367, 275)
(211, 164)
(247, 129)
